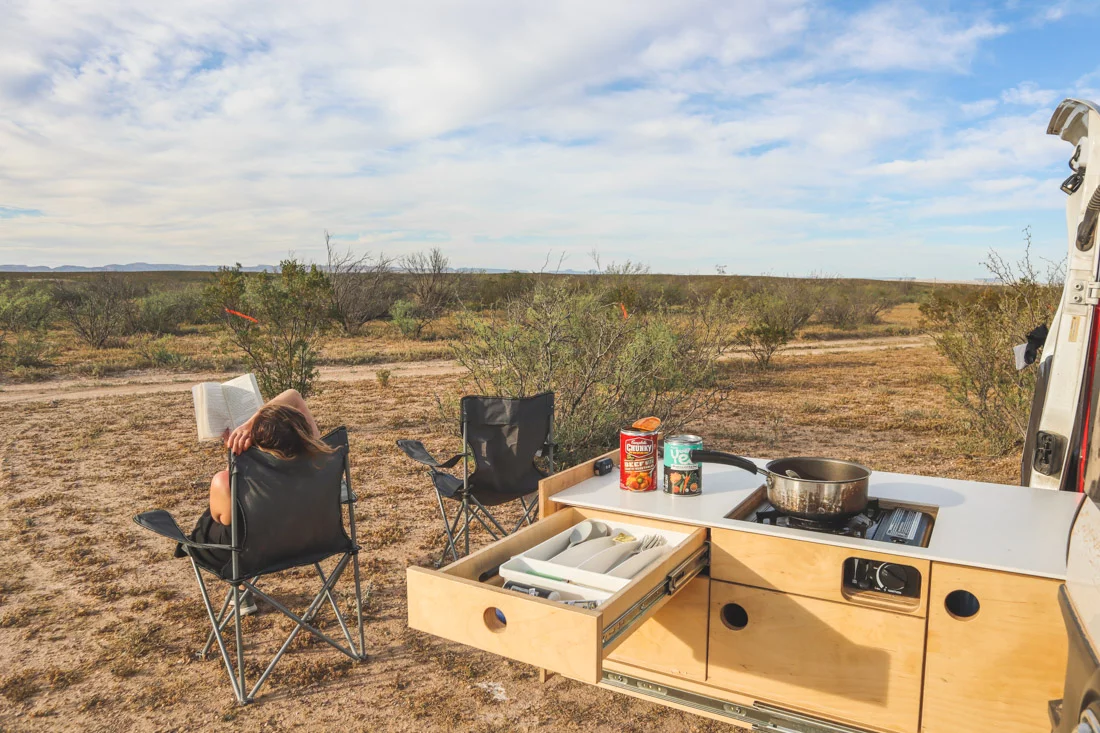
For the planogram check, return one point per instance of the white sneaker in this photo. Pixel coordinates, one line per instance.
(248, 604)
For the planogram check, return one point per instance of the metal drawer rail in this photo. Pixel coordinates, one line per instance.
(761, 717)
(673, 582)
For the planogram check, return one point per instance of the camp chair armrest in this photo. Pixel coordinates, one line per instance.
(164, 524)
(415, 450)
(546, 448)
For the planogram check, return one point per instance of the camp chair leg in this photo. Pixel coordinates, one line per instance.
(240, 637)
(223, 619)
(479, 506)
(530, 511)
(238, 692)
(448, 527)
(302, 622)
(335, 608)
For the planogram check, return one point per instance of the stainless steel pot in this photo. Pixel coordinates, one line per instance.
(821, 489)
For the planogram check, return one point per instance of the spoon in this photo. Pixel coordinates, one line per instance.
(585, 531)
(792, 474)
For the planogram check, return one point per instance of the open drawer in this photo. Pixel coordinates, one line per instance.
(465, 602)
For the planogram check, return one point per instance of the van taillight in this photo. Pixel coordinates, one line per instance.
(1090, 373)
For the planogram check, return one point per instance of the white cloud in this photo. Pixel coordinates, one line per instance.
(904, 35)
(680, 133)
(1029, 94)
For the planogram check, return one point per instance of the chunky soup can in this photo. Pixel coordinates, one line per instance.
(637, 459)
(683, 476)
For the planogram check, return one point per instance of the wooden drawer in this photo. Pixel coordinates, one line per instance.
(674, 641)
(804, 568)
(833, 660)
(997, 669)
(459, 602)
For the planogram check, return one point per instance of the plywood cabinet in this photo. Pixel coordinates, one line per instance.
(832, 659)
(997, 669)
(674, 641)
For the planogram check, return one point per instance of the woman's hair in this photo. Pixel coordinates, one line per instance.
(285, 432)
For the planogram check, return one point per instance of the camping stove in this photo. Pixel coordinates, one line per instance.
(880, 521)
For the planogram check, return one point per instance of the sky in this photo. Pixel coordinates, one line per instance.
(787, 137)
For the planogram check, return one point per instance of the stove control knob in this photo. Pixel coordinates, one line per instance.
(891, 578)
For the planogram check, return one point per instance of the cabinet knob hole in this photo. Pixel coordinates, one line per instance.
(495, 620)
(734, 616)
(962, 604)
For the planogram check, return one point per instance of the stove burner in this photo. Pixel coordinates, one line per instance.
(873, 522)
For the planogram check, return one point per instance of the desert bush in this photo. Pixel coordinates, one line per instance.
(24, 314)
(291, 310)
(605, 370)
(432, 289)
(363, 286)
(847, 305)
(975, 329)
(165, 311)
(404, 315)
(99, 309)
(383, 377)
(497, 289)
(28, 349)
(161, 352)
(773, 314)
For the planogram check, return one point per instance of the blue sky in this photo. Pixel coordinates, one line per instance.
(788, 137)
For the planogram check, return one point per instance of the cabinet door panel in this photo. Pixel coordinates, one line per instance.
(833, 660)
(674, 641)
(998, 669)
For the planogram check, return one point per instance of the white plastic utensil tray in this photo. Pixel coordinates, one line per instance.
(577, 584)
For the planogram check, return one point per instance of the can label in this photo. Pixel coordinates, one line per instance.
(683, 476)
(637, 460)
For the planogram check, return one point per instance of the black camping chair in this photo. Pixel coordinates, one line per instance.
(504, 437)
(289, 513)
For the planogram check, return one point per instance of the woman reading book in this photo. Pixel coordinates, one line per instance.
(285, 427)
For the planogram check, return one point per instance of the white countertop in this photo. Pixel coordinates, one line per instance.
(995, 526)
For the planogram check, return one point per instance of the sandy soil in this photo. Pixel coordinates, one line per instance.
(154, 381)
(98, 621)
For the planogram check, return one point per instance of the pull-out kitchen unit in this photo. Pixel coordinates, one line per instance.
(947, 622)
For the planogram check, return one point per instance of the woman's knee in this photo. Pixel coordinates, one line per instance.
(220, 481)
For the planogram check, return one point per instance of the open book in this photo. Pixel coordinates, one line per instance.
(221, 407)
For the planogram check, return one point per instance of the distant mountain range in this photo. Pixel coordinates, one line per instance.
(132, 267)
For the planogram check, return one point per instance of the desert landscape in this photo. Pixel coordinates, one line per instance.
(98, 623)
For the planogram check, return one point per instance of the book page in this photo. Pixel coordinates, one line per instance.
(242, 398)
(211, 411)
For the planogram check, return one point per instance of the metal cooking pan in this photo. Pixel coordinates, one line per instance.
(825, 490)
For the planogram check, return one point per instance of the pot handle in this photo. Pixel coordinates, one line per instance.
(728, 459)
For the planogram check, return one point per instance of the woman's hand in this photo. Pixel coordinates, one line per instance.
(240, 439)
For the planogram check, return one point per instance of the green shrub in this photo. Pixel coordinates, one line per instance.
(292, 310)
(773, 314)
(404, 315)
(99, 309)
(25, 312)
(432, 289)
(30, 349)
(605, 370)
(976, 328)
(847, 305)
(165, 311)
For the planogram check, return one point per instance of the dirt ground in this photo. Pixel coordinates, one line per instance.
(98, 622)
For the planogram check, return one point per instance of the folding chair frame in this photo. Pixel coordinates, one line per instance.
(234, 594)
(470, 508)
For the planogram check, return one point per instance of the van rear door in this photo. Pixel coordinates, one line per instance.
(1062, 409)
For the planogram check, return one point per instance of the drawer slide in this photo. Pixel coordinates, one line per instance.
(673, 582)
(759, 716)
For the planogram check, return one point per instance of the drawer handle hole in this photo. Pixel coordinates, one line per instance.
(495, 620)
(962, 604)
(734, 616)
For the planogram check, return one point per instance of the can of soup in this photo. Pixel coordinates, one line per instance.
(637, 459)
(683, 476)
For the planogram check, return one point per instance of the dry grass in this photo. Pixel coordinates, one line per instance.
(97, 620)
